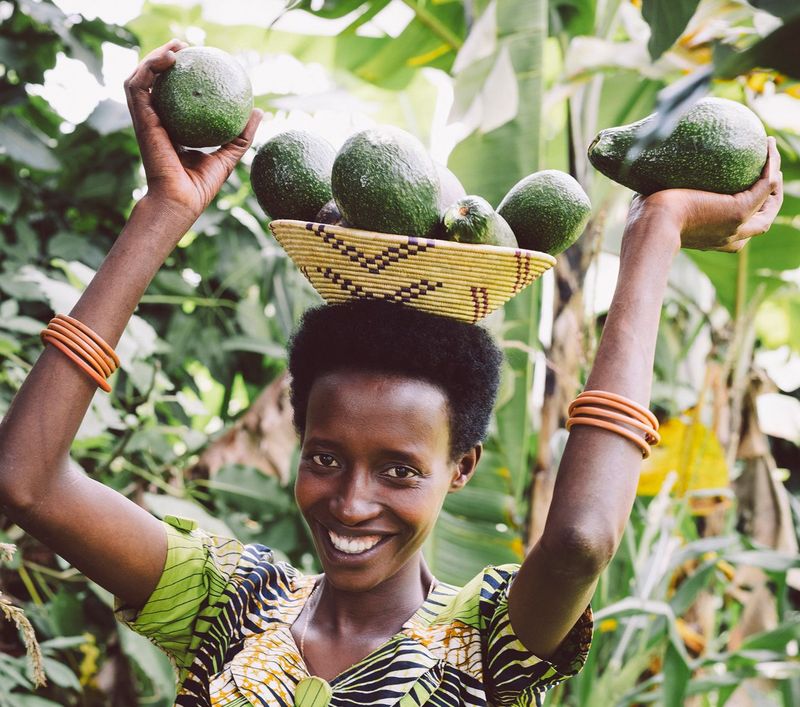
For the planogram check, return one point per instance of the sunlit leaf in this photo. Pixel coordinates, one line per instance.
(691, 450)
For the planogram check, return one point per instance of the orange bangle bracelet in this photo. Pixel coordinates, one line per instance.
(597, 400)
(641, 409)
(81, 346)
(88, 340)
(46, 336)
(96, 337)
(650, 434)
(612, 427)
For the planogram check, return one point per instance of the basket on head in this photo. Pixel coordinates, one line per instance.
(460, 280)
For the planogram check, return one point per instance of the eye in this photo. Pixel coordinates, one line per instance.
(401, 471)
(325, 460)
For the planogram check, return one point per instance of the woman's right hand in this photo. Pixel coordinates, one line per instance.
(182, 181)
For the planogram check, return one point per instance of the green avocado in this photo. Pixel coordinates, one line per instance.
(718, 145)
(204, 99)
(291, 175)
(384, 180)
(473, 220)
(547, 211)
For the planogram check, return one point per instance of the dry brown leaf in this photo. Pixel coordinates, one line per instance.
(263, 437)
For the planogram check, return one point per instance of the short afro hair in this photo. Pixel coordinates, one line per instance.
(378, 336)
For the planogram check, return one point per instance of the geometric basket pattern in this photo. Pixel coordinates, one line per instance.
(460, 280)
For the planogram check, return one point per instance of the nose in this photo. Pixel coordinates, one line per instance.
(354, 501)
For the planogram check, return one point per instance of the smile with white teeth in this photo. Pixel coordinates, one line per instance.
(353, 546)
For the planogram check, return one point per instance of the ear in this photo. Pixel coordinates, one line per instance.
(464, 468)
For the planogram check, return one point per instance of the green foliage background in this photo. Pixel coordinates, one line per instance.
(200, 349)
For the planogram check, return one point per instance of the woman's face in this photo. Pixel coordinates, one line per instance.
(374, 471)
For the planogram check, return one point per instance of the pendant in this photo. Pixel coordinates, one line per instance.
(312, 692)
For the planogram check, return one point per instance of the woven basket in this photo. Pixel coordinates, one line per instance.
(459, 280)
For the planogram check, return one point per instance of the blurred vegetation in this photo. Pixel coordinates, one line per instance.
(700, 605)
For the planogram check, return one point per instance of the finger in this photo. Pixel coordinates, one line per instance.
(734, 247)
(774, 164)
(761, 221)
(154, 143)
(753, 199)
(154, 63)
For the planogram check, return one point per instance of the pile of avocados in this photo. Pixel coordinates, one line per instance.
(382, 179)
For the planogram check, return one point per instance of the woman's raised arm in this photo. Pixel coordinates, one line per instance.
(599, 472)
(106, 536)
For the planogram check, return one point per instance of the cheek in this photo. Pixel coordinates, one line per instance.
(306, 491)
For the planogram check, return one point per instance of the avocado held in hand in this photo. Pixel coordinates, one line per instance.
(291, 175)
(547, 211)
(718, 145)
(473, 220)
(204, 99)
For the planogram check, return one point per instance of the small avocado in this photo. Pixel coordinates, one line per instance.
(384, 180)
(473, 220)
(291, 175)
(547, 211)
(204, 99)
(718, 145)
(330, 215)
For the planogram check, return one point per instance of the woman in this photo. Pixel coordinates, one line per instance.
(391, 406)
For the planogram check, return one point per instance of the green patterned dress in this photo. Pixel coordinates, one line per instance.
(222, 612)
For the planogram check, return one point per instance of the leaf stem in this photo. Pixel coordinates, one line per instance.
(435, 25)
(741, 281)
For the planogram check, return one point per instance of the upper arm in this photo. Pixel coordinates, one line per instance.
(106, 536)
(547, 597)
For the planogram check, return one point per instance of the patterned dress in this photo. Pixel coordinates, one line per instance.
(222, 612)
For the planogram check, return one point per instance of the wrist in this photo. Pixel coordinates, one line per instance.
(168, 218)
(653, 227)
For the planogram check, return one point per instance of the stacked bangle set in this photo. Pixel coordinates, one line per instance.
(616, 413)
(83, 347)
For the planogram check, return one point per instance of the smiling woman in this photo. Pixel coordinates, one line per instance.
(390, 421)
(391, 406)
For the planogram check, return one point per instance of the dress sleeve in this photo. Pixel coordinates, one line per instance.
(514, 675)
(190, 592)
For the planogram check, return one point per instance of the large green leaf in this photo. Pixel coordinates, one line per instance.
(477, 160)
(769, 255)
(667, 20)
(430, 40)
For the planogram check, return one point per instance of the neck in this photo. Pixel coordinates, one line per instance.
(380, 610)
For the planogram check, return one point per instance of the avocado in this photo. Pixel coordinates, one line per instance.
(291, 175)
(383, 180)
(547, 211)
(450, 189)
(718, 145)
(204, 99)
(473, 220)
(330, 214)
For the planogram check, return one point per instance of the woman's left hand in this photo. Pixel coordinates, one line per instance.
(724, 222)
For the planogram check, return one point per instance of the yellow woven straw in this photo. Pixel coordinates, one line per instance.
(459, 280)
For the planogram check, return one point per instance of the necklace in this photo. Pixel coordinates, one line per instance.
(307, 622)
(312, 691)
